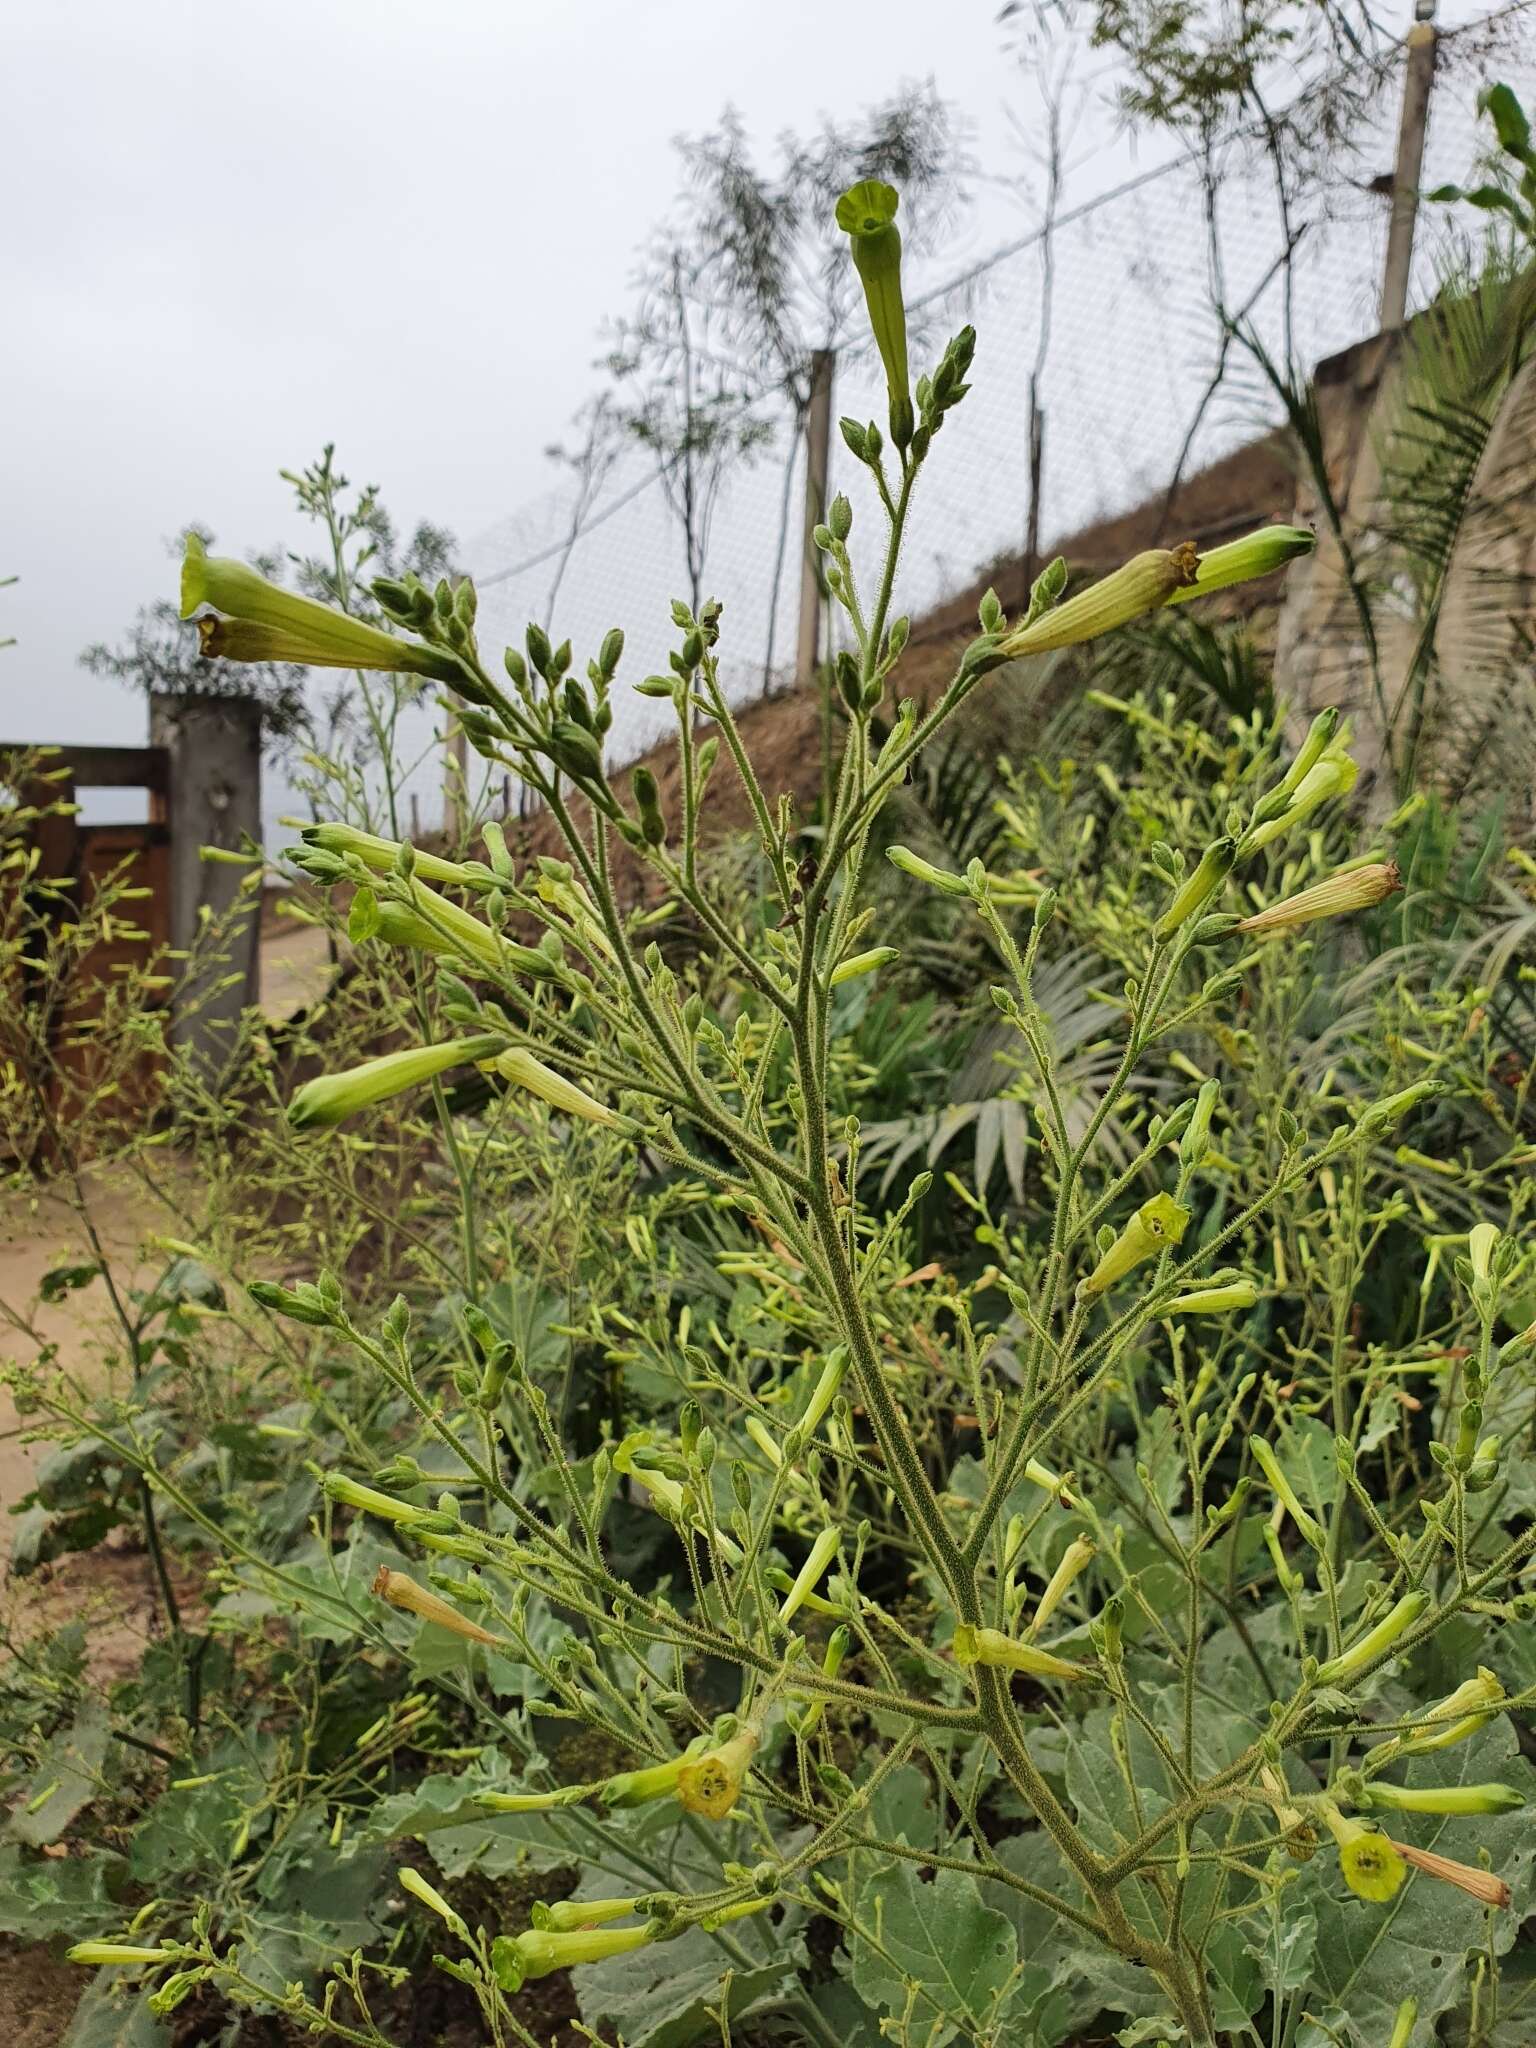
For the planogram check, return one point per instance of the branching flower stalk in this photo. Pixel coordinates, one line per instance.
(559, 1000)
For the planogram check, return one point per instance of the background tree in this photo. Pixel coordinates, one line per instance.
(747, 282)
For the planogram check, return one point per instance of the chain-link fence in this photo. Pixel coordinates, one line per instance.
(1133, 383)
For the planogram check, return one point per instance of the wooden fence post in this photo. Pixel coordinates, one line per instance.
(214, 799)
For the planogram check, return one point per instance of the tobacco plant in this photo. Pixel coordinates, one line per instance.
(915, 1648)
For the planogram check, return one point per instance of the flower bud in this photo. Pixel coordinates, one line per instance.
(118, 1952)
(413, 1882)
(1201, 886)
(1317, 742)
(1240, 561)
(1338, 1670)
(864, 963)
(383, 855)
(990, 1646)
(565, 1915)
(1076, 1558)
(1452, 1799)
(1306, 1523)
(924, 871)
(823, 1550)
(331, 1098)
(1212, 1301)
(1141, 585)
(517, 1065)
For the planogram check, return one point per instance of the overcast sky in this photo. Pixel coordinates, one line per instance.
(234, 232)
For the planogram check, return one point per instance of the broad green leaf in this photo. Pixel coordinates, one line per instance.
(669, 1996)
(66, 1779)
(44, 1897)
(112, 2014)
(958, 1952)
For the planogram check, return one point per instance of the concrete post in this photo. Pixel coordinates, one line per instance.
(1418, 80)
(214, 799)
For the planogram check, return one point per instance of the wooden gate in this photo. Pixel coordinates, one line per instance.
(84, 855)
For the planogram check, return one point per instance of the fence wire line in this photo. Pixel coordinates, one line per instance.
(1130, 377)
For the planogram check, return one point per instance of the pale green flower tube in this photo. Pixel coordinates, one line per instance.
(991, 1646)
(1453, 1799)
(1353, 1661)
(1240, 561)
(1139, 586)
(267, 623)
(332, 1098)
(1156, 1225)
(822, 1552)
(519, 1066)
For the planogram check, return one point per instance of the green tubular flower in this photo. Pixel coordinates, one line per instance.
(864, 963)
(331, 1098)
(1352, 889)
(1078, 1556)
(1370, 1864)
(383, 855)
(118, 1952)
(710, 1784)
(1320, 736)
(413, 1882)
(1210, 1301)
(568, 1914)
(1381, 1638)
(866, 213)
(824, 1393)
(1041, 1476)
(1306, 1523)
(519, 1066)
(1140, 585)
(1333, 774)
(367, 1500)
(1459, 1715)
(1156, 1225)
(267, 623)
(517, 1958)
(1201, 886)
(922, 870)
(1453, 1799)
(991, 1646)
(823, 1550)
(1240, 561)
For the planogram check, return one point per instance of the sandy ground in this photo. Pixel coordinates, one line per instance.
(38, 1232)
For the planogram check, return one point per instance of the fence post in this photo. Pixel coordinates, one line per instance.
(818, 441)
(455, 777)
(213, 799)
(1418, 81)
(1036, 478)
